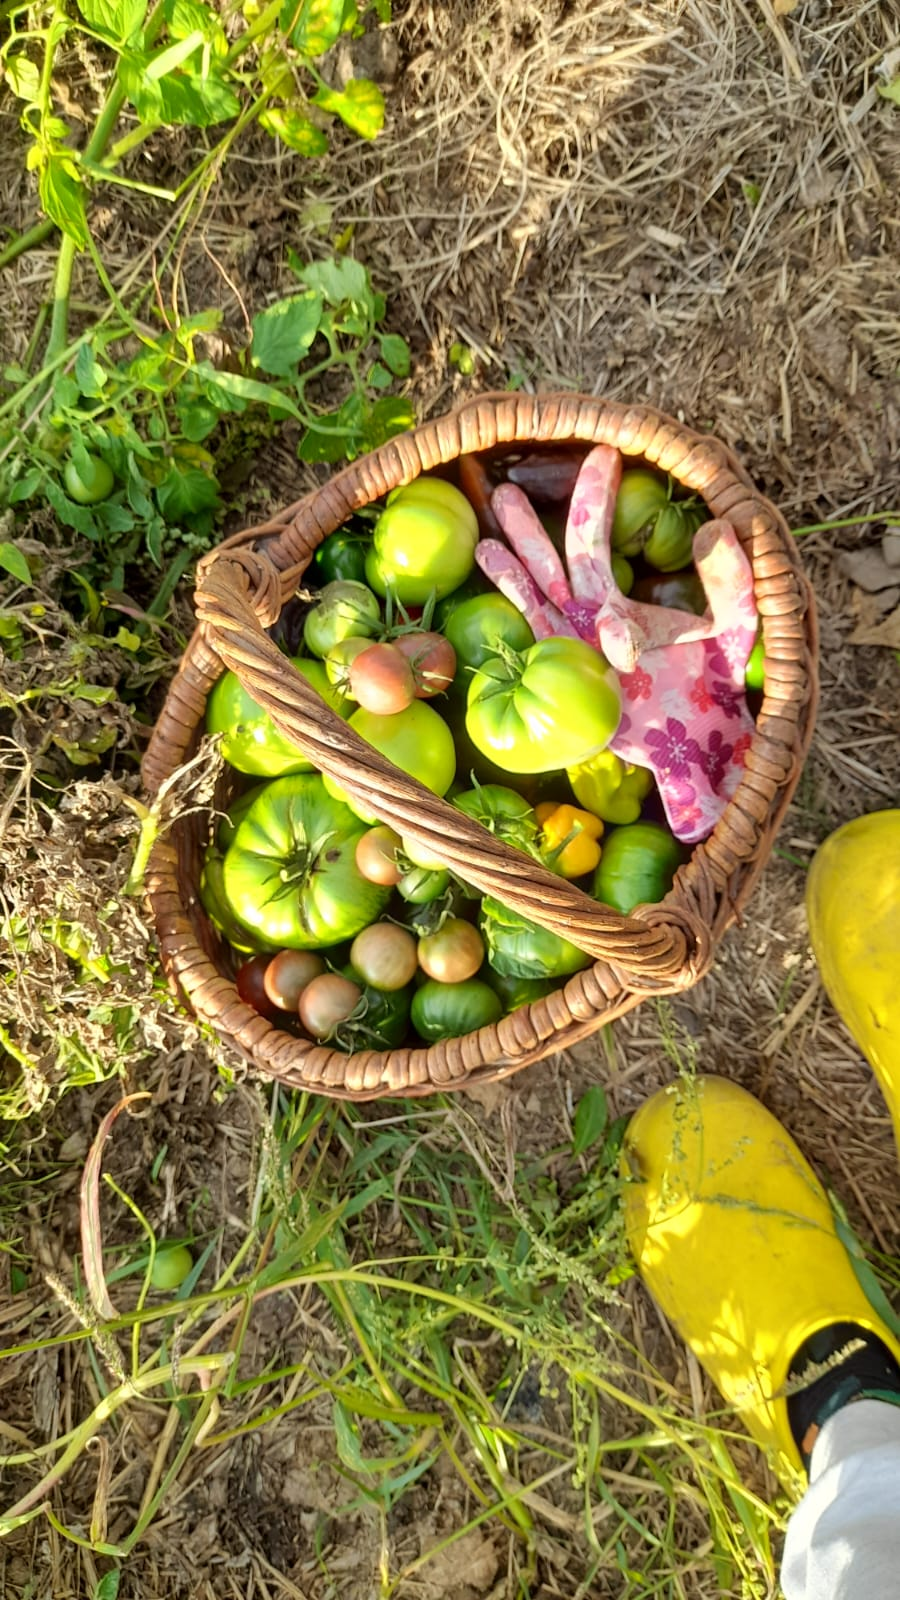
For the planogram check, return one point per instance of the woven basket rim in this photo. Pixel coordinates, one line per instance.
(245, 581)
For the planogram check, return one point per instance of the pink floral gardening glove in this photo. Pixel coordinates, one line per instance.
(682, 677)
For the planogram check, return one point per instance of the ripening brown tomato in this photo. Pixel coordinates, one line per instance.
(381, 679)
(327, 1002)
(288, 974)
(384, 955)
(432, 659)
(376, 855)
(454, 953)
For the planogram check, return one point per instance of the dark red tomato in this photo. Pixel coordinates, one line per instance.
(381, 679)
(288, 974)
(250, 982)
(432, 659)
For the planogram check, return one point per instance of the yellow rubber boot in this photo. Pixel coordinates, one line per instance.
(853, 907)
(734, 1238)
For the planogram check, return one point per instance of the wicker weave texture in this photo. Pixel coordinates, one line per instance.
(241, 589)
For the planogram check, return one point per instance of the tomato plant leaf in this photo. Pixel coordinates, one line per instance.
(338, 281)
(70, 514)
(23, 77)
(187, 17)
(379, 377)
(89, 375)
(295, 130)
(13, 562)
(237, 391)
(107, 1587)
(115, 19)
(313, 25)
(62, 196)
(387, 418)
(360, 106)
(189, 493)
(591, 1117)
(283, 333)
(891, 91)
(394, 353)
(25, 486)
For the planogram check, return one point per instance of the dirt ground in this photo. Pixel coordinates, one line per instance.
(686, 202)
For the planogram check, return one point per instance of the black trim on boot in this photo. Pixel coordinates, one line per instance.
(857, 1366)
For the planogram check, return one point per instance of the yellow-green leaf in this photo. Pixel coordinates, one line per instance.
(295, 130)
(62, 196)
(313, 25)
(360, 106)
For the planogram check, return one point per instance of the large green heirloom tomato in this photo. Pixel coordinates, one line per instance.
(250, 740)
(478, 627)
(416, 740)
(448, 1010)
(637, 866)
(552, 706)
(290, 872)
(424, 543)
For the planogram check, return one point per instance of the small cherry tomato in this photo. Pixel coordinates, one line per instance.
(171, 1265)
(288, 974)
(327, 1002)
(453, 954)
(250, 982)
(381, 679)
(384, 955)
(376, 855)
(432, 659)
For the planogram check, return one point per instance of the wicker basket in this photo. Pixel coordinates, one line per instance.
(658, 949)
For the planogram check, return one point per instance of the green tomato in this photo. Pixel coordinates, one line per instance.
(502, 811)
(637, 866)
(670, 545)
(449, 1010)
(475, 585)
(516, 992)
(623, 572)
(416, 740)
(236, 813)
(518, 948)
(250, 740)
(211, 894)
(551, 707)
(342, 556)
(424, 543)
(642, 495)
(478, 628)
(290, 873)
(420, 885)
(384, 1020)
(171, 1266)
(344, 610)
(755, 674)
(90, 481)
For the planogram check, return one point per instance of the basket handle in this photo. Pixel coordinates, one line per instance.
(239, 594)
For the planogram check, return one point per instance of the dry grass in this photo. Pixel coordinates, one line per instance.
(683, 201)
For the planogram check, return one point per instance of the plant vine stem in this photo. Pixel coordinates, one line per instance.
(26, 241)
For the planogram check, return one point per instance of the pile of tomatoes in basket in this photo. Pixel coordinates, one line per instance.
(341, 929)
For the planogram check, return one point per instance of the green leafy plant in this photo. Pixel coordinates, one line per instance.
(147, 420)
(121, 430)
